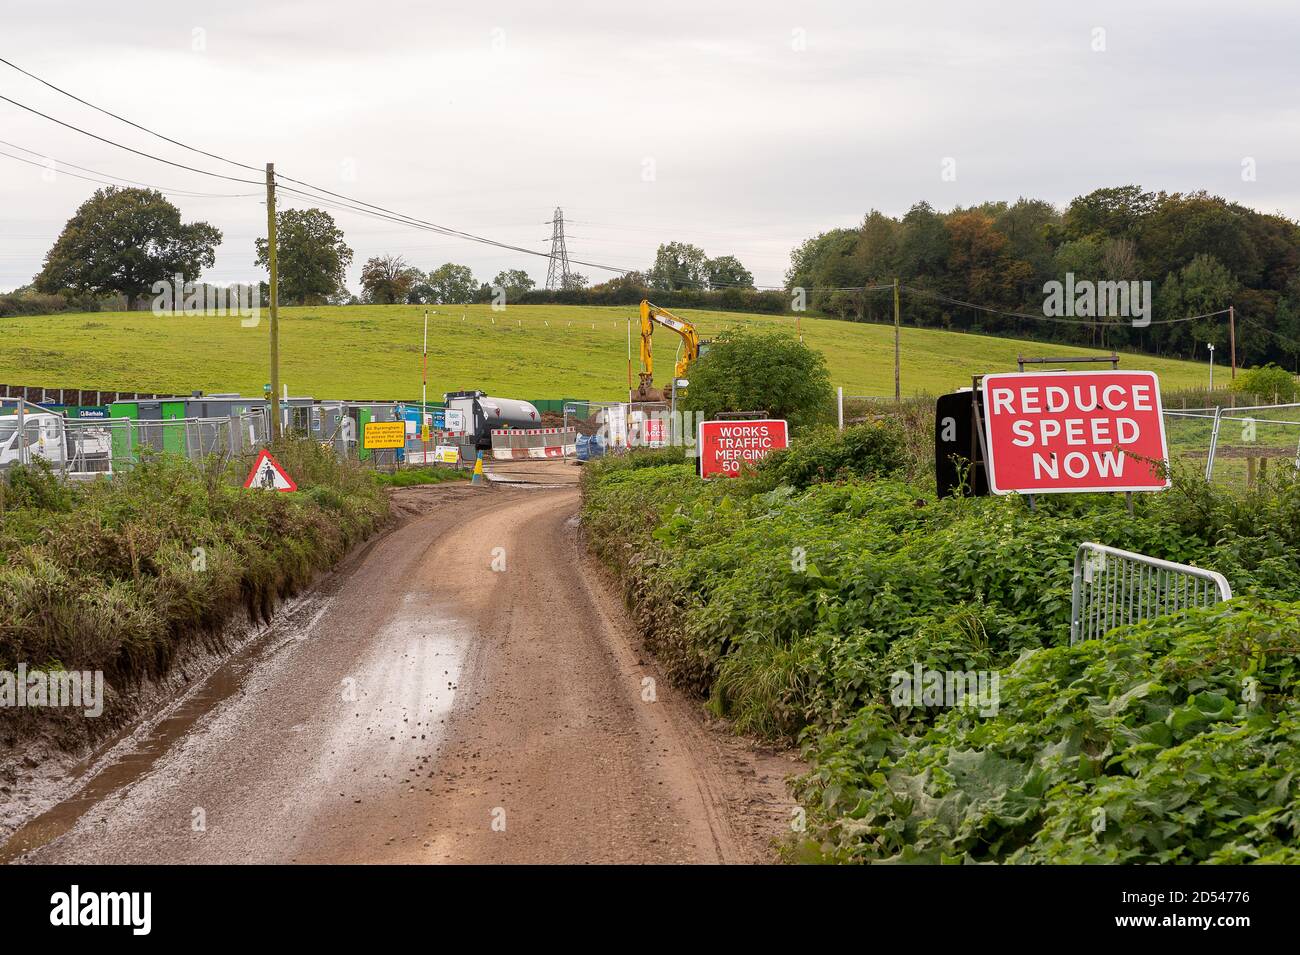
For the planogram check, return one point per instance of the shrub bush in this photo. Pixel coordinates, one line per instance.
(1270, 384)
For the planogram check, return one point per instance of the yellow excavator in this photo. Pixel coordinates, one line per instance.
(652, 315)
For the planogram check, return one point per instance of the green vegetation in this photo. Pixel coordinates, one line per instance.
(529, 351)
(1145, 747)
(409, 477)
(1199, 253)
(103, 250)
(1276, 385)
(312, 259)
(792, 598)
(761, 371)
(115, 575)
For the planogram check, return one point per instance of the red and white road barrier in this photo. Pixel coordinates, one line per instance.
(511, 443)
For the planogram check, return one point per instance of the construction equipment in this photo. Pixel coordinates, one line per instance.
(482, 414)
(651, 315)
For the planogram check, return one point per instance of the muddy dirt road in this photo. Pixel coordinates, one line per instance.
(464, 689)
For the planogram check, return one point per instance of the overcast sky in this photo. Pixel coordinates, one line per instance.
(741, 127)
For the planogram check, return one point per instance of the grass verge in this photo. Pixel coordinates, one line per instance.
(792, 600)
(117, 574)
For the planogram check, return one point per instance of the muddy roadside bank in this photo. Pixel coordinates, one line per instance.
(47, 758)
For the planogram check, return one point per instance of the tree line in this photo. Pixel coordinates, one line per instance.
(1199, 252)
(121, 241)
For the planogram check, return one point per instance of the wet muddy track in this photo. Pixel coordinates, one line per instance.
(426, 707)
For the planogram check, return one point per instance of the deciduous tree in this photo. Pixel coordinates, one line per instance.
(388, 280)
(122, 241)
(311, 257)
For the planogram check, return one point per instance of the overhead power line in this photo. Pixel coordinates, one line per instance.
(103, 139)
(1046, 318)
(1264, 328)
(379, 212)
(395, 215)
(123, 119)
(103, 178)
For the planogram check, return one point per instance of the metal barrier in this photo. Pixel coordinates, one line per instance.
(1240, 436)
(1268, 434)
(617, 426)
(1113, 587)
(455, 448)
(90, 447)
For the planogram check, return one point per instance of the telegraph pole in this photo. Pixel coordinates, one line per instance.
(424, 390)
(275, 301)
(1232, 338)
(898, 391)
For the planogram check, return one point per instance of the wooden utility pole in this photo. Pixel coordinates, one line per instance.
(275, 301)
(898, 391)
(424, 391)
(1232, 338)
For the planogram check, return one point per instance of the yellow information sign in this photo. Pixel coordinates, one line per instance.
(384, 434)
(424, 432)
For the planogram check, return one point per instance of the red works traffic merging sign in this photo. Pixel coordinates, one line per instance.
(725, 446)
(1074, 431)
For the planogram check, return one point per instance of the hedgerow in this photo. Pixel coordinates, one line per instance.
(789, 602)
(116, 574)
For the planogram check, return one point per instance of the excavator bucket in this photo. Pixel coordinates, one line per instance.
(646, 391)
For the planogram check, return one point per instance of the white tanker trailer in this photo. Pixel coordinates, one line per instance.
(484, 414)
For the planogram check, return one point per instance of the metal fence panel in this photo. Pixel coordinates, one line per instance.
(83, 448)
(1113, 587)
(1227, 442)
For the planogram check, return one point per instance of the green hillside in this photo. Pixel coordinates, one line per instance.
(533, 351)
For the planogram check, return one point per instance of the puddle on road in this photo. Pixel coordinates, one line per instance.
(142, 748)
(401, 695)
(404, 694)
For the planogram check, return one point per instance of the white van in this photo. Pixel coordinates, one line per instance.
(43, 437)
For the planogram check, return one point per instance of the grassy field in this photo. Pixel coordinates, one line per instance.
(528, 351)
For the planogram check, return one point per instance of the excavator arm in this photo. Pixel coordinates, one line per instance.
(652, 315)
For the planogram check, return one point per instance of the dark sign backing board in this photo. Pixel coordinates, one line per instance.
(957, 446)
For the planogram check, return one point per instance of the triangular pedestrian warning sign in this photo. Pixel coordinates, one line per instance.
(269, 475)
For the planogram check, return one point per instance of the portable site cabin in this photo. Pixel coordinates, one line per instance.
(143, 414)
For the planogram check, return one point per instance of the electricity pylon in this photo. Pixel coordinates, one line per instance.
(557, 273)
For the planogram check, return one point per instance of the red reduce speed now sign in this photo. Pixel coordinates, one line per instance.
(1074, 431)
(725, 446)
